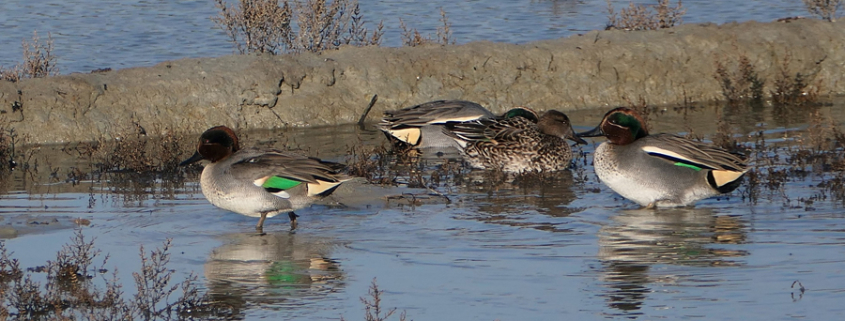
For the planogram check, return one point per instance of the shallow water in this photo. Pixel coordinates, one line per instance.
(501, 248)
(116, 34)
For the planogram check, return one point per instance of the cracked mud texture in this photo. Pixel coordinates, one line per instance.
(595, 69)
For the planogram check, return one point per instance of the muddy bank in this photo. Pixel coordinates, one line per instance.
(596, 69)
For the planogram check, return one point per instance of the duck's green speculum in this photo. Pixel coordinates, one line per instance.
(281, 183)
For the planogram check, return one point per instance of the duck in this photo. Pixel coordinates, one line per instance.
(518, 141)
(261, 183)
(420, 126)
(662, 170)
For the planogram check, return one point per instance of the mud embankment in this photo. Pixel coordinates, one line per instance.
(596, 69)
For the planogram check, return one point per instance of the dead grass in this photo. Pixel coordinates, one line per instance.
(739, 80)
(815, 153)
(642, 17)
(134, 151)
(373, 310)
(268, 26)
(794, 90)
(825, 9)
(71, 293)
(411, 37)
(38, 60)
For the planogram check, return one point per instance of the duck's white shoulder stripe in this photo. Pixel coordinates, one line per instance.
(669, 153)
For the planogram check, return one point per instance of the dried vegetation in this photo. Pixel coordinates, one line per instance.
(825, 9)
(134, 151)
(38, 60)
(412, 38)
(741, 83)
(739, 80)
(270, 26)
(643, 17)
(76, 289)
(373, 310)
(794, 89)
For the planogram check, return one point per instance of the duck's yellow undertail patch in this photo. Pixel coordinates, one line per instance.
(408, 135)
(722, 178)
(321, 187)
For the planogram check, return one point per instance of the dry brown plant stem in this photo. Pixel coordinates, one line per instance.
(411, 37)
(38, 60)
(641, 17)
(826, 9)
(270, 26)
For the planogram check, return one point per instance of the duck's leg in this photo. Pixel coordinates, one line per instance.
(293, 217)
(260, 226)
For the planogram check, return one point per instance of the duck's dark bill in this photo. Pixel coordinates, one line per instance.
(578, 140)
(595, 132)
(197, 157)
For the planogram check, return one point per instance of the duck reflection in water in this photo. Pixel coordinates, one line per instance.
(513, 199)
(639, 239)
(272, 271)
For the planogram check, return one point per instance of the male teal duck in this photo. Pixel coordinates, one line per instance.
(661, 170)
(259, 183)
(420, 126)
(519, 141)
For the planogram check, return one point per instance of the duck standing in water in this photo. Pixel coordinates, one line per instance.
(421, 126)
(261, 183)
(519, 141)
(661, 170)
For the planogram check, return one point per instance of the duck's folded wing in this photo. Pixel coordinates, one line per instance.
(485, 130)
(277, 172)
(688, 153)
(434, 112)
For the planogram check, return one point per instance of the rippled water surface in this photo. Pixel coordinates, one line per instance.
(117, 34)
(500, 248)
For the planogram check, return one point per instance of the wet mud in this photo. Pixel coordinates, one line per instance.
(590, 70)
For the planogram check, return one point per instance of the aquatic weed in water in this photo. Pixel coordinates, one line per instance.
(70, 292)
(373, 310)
